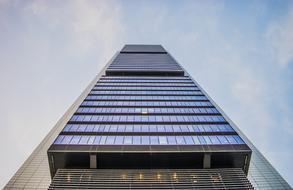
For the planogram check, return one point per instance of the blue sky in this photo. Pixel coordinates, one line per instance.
(241, 52)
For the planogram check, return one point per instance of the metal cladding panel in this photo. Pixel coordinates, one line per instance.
(137, 61)
(144, 60)
(228, 178)
(144, 64)
(143, 49)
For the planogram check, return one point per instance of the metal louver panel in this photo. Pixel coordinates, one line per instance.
(143, 49)
(228, 178)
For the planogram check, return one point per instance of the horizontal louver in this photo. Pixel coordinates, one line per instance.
(228, 178)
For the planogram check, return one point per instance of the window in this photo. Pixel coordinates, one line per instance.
(110, 140)
(171, 140)
(84, 139)
(103, 140)
(97, 140)
(66, 139)
(163, 140)
(188, 140)
(119, 140)
(136, 140)
(180, 140)
(129, 128)
(154, 140)
(214, 140)
(91, 140)
(128, 140)
(67, 128)
(223, 140)
(207, 139)
(75, 140)
(90, 128)
(201, 140)
(196, 140)
(231, 139)
(59, 139)
(161, 128)
(147, 140)
(238, 139)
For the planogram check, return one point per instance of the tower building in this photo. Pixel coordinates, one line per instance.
(144, 123)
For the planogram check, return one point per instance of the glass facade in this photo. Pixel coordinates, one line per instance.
(149, 128)
(147, 103)
(143, 98)
(147, 140)
(146, 110)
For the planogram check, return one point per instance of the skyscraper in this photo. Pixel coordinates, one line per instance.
(144, 123)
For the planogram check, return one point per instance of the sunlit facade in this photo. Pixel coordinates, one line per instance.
(144, 123)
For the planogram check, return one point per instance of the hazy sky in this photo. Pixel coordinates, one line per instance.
(241, 52)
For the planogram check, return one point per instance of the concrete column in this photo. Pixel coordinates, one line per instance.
(93, 160)
(207, 160)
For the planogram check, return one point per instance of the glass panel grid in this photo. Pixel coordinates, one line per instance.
(147, 128)
(148, 140)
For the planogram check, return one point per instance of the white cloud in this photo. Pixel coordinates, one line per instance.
(280, 37)
(234, 67)
(88, 25)
(50, 50)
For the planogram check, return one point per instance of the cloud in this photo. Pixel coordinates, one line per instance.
(87, 25)
(50, 51)
(222, 45)
(229, 56)
(280, 37)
